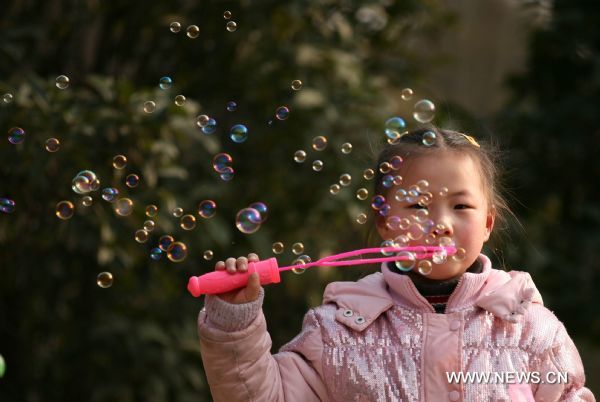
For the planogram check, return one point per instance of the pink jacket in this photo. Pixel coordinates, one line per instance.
(378, 339)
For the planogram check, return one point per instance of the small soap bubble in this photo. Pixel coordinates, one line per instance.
(179, 100)
(238, 133)
(385, 167)
(460, 254)
(428, 138)
(119, 162)
(165, 82)
(443, 192)
(319, 143)
(149, 225)
(296, 85)
(299, 156)
(7, 98)
(175, 27)
(248, 220)
(208, 255)
(262, 209)
(439, 256)
(362, 193)
(231, 106)
(156, 253)
(85, 181)
(52, 144)
(151, 210)
(177, 252)
(395, 127)
(361, 218)
(227, 15)
(302, 260)
(424, 111)
(424, 267)
(277, 247)
(87, 201)
(65, 210)
(231, 26)
(387, 181)
(406, 261)
(149, 106)
(210, 127)
(297, 248)
(123, 207)
(396, 162)
(188, 222)
(422, 186)
(345, 179)
(110, 194)
(104, 280)
(202, 120)
(62, 82)
(227, 173)
(221, 161)
(385, 209)
(317, 165)
(406, 94)
(421, 215)
(132, 180)
(141, 236)
(346, 148)
(368, 174)
(192, 31)
(334, 189)
(397, 180)
(16, 135)
(7, 205)
(393, 222)
(177, 212)
(165, 242)
(400, 195)
(207, 209)
(282, 112)
(377, 202)
(387, 244)
(446, 241)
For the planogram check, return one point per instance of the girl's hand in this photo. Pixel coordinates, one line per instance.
(252, 289)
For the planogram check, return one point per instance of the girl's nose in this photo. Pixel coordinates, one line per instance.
(443, 229)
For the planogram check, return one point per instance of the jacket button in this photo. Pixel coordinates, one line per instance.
(454, 395)
(348, 313)
(359, 320)
(454, 325)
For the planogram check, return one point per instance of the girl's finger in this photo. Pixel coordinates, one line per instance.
(242, 264)
(252, 257)
(230, 265)
(220, 266)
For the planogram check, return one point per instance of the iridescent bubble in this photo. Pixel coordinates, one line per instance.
(393, 222)
(210, 127)
(362, 193)
(123, 207)
(282, 113)
(439, 256)
(387, 181)
(361, 218)
(302, 260)
(175, 27)
(346, 148)
(396, 162)
(7, 205)
(319, 143)
(385, 209)
(141, 236)
(446, 241)
(262, 209)
(202, 120)
(334, 189)
(299, 156)
(132, 180)
(443, 191)
(231, 106)
(421, 215)
(192, 31)
(368, 174)
(415, 231)
(297, 248)
(227, 173)
(151, 210)
(149, 106)
(296, 85)
(65, 210)
(386, 244)
(227, 15)
(424, 111)
(2, 366)
(460, 254)
(119, 162)
(248, 220)
(422, 186)
(378, 202)
(406, 262)
(238, 133)
(317, 165)
(62, 82)
(231, 26)
(7, 98)
(424, 267)
(165, 82)
(179, 100)
(177, 212)
(430, 239)
(84, 182)
(221, 161)
(207, 209)
(104, 280)
(149, 225)
(400, 195)
(165, 242)
(156, 253)
(406, 94)
(52, 144)
(277, 247)
(402, 240)
(385, 167)
(187, 222)
(110, 194)
(177, 252)
(429, 138)
(395, 127)
(345, 179)
(86, 201)
(16, 135)
(397, 180)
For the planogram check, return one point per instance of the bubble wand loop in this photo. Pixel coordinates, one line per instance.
(220, 281)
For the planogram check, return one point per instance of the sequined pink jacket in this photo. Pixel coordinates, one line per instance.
(378, 339)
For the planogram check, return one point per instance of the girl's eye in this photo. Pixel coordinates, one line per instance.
(461, 206)
(416, 206)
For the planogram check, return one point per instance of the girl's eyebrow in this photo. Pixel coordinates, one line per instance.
(460, 193)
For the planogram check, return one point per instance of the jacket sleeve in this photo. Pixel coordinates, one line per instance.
(560, 360)
(239, 366)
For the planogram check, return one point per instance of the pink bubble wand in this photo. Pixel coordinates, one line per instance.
(221, 281)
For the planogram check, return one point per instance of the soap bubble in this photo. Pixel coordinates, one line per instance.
(345, 179)
(282, 113)
(439, 256)
(179, 100)
(424, 111)
(84, 182)
(406, 94)
(299, 156)
(7, 98)
(187, 222)
(387, 181)
(192, 31)
(52, 144)
(460, 254)
(165, 242)
(2, 366)
(277, 247)
(428, 138)
(368, 174)
(149, 106)
(346, 148)
(396, 162)
(7, 205)
(262, 209)
(334, 189)
(149, 225)
(86, 201)
(227, 173)
(208, 255)
(165, 82)
(141, 236)
(238, 133)
(385, 167)
(231, 106)
(110, 194)
(16, 135)
(361, 218)
(65, 210)
(202, 120)
(132, 180)
(123, 207)
(177, 212)
(248, 220)
(424, 267)
(362, 193)
(297, 248)
(407, 261)
(302, 260)
(156, 253)
(207, 209)
(231, 26)
(104, 280)
(151, 210)
(62, 82)
(317, 165)
(177, 252)
(378, 202)
(227, 15)
(395, 127)
(221, 161)
(386, 244)
(319, 143)
(175, 27)
(210, 127)
(119, 162)
(443, 191)
(296, 85)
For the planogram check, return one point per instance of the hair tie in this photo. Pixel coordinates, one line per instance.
(471, 140)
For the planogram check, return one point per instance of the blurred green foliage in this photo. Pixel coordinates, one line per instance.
(64, 338)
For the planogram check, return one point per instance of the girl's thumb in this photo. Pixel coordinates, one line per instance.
(253, 287)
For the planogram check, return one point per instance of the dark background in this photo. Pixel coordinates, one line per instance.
(525, 74)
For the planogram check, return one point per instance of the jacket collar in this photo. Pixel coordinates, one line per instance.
(507, 295)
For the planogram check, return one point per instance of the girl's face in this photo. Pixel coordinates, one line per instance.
(464, 212)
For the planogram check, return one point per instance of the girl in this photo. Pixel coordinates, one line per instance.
(452, 330)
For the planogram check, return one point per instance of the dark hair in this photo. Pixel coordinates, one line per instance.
(414, 144)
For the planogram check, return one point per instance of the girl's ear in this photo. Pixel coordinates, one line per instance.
(489, 222)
